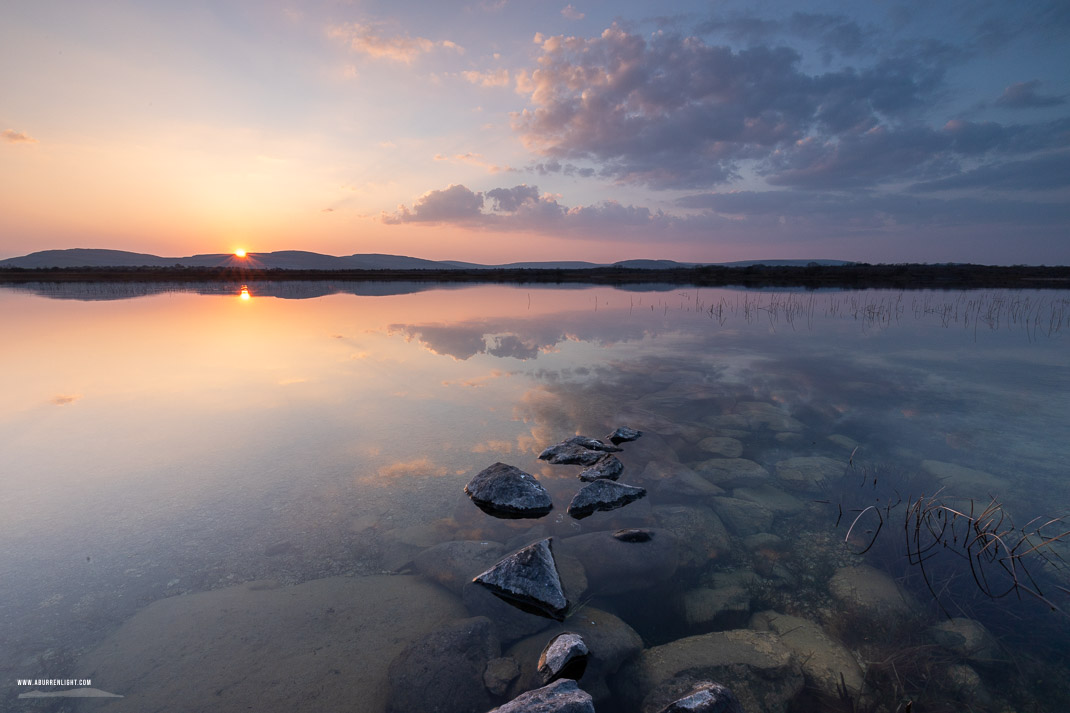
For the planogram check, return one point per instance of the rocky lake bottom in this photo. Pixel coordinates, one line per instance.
(824, 527)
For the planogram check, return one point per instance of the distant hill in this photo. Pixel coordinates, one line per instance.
(304, 260)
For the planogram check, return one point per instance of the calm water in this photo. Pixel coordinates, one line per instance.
(169, 449)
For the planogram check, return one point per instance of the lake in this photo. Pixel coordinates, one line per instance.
(218, 495)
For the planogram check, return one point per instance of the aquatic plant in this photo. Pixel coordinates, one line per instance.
(944, 538)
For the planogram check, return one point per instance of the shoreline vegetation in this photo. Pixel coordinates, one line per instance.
(813, 276)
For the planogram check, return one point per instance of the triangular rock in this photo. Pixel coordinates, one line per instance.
(528, 579)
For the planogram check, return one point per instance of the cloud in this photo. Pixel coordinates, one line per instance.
(674, 112)
(489, 78)
(451, 205)
(474, 159)
(571, 13)
(510, 199)
(525, 208)
(364, 39)
(1043, 172)
(17, 137)
(1023, 95)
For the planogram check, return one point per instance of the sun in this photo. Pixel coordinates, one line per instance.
(240, 252)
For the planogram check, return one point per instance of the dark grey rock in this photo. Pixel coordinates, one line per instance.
(706, 697)
(443, 671)
(632, 535)
(454, 564)
(614, 566)
(623, 434)
(610, 640)
(608, 468)
(529, 579)
(561, 696)
(565, 656)
(603, 495)
(506, 491)
(578, 450)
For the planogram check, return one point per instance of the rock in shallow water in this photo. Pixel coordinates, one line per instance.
(506, 491)
(706, 697)
(565, 656)
(757, 666)
(578, 450)
(529, 579)
(622, 435)
(603, 495)
(610, 641)
(614, 566)
(561, 696)
(453, 564)
(608, 468)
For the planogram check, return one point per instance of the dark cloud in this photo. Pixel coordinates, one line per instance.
(523, 207)
(1024, 95)
(848, 211)
(1038, 173)
(510, 199)
(675, 112)
(454, 204)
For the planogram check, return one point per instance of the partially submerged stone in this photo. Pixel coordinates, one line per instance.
(506, 491)
(561, 696)
(603, 495)
(622, 435)
(607, 468)
(528, 579)
(578, 450)
(565, 656)
(453, 564)
(706, 697)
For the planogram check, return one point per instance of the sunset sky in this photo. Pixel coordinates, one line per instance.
(504, 130)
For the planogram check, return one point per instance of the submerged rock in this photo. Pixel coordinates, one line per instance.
(603, 495)
(561, 696)
(614, 566)
(700, 532)
(565, 656)
(826, 664)
(755, 665)
(529, 579)
(706, 697)
(732, 472)
(445, 669)
(499, 673)
(722, 446)
(809, 473)
(870, 591)
(967, 638)
(607, 468)
(453, 564)
(506, 491)
(622, 435)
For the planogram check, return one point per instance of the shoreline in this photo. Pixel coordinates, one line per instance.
(857, 276)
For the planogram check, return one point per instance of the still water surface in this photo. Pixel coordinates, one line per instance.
(265, 471)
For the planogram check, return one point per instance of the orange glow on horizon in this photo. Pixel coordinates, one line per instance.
(244, 294)
(240, 252)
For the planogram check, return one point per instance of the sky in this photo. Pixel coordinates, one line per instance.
(506, 130)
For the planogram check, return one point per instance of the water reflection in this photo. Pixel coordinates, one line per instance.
(183, 443)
